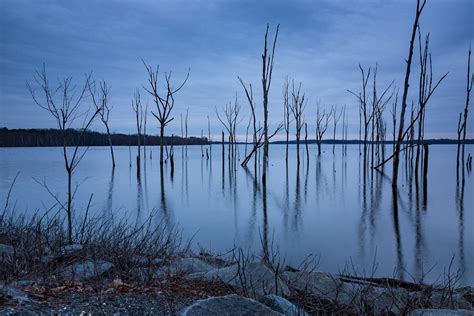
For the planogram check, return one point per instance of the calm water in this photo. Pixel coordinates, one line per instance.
(325, 208)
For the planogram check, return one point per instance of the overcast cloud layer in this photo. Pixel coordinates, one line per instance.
(320, 43)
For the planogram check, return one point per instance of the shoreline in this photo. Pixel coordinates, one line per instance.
(113, 267)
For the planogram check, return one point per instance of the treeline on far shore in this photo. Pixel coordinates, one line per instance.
(53, 137)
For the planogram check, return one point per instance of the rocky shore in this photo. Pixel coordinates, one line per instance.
(75, 280)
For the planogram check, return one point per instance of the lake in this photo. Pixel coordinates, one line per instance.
(326, 207)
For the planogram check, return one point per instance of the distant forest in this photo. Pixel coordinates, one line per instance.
(53, 137)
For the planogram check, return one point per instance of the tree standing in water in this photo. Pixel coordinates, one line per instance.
(64, 105)
(164, 101)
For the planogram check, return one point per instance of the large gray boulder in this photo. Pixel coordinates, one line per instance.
(85, 269)
(441, 312)
(255, 278)
(227, 305)
(320, 284)
(190, 265)
(184, 265)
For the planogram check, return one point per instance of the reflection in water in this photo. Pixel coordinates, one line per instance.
(340, 214)
(139, 197)
(163, 205)
(460, 210)
(297, 204)
(396, 228)
(110, 194)
(266, 254)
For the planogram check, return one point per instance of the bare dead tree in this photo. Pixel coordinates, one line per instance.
(335, 119)
(267, 69)
(64, 104)
(426, 90)
(322, 122)
(259, 143)
(145, 115)
(182, 134)
(306, 142)
(394, 119)
(462, 127)
(247, 135)
(138, 110)
(209, 136)
(253, 118)
(286, 115)
(164, 101)
(364, 117)
(186, 132)
(297, 107)
(230, 120)
(344, 131)
(101, 102)
(420, 4)
(202, 148)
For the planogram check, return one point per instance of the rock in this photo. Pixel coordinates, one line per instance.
(379, 300)
(320, 284)
(14, 294)
(47, 259)
(442, 299)
(389, 300)
(190, 265)
(282, 305)
(71, 250)
(6, 250)
(255, 279)
(184, 265)
(227, 305)
(441, 312)
(85, 269)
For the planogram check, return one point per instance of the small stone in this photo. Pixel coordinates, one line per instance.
(85, 269)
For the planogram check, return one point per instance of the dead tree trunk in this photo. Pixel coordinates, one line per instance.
(306, 141)
(164, 102)
(65, 109)
(336, 117)
(230, 121)
(267, 69)
(138, 109)
(297, 107)
(286, 116)
(420, 4)
(322, 122)
(209, 139)
(100, 99)
(462, 127)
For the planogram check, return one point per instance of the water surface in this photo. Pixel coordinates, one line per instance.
(325, 207)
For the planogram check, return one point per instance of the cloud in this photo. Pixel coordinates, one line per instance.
(320, 44)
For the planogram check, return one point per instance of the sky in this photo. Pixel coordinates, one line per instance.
(320, 44)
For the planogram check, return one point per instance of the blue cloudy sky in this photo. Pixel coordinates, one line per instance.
(320, 43)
